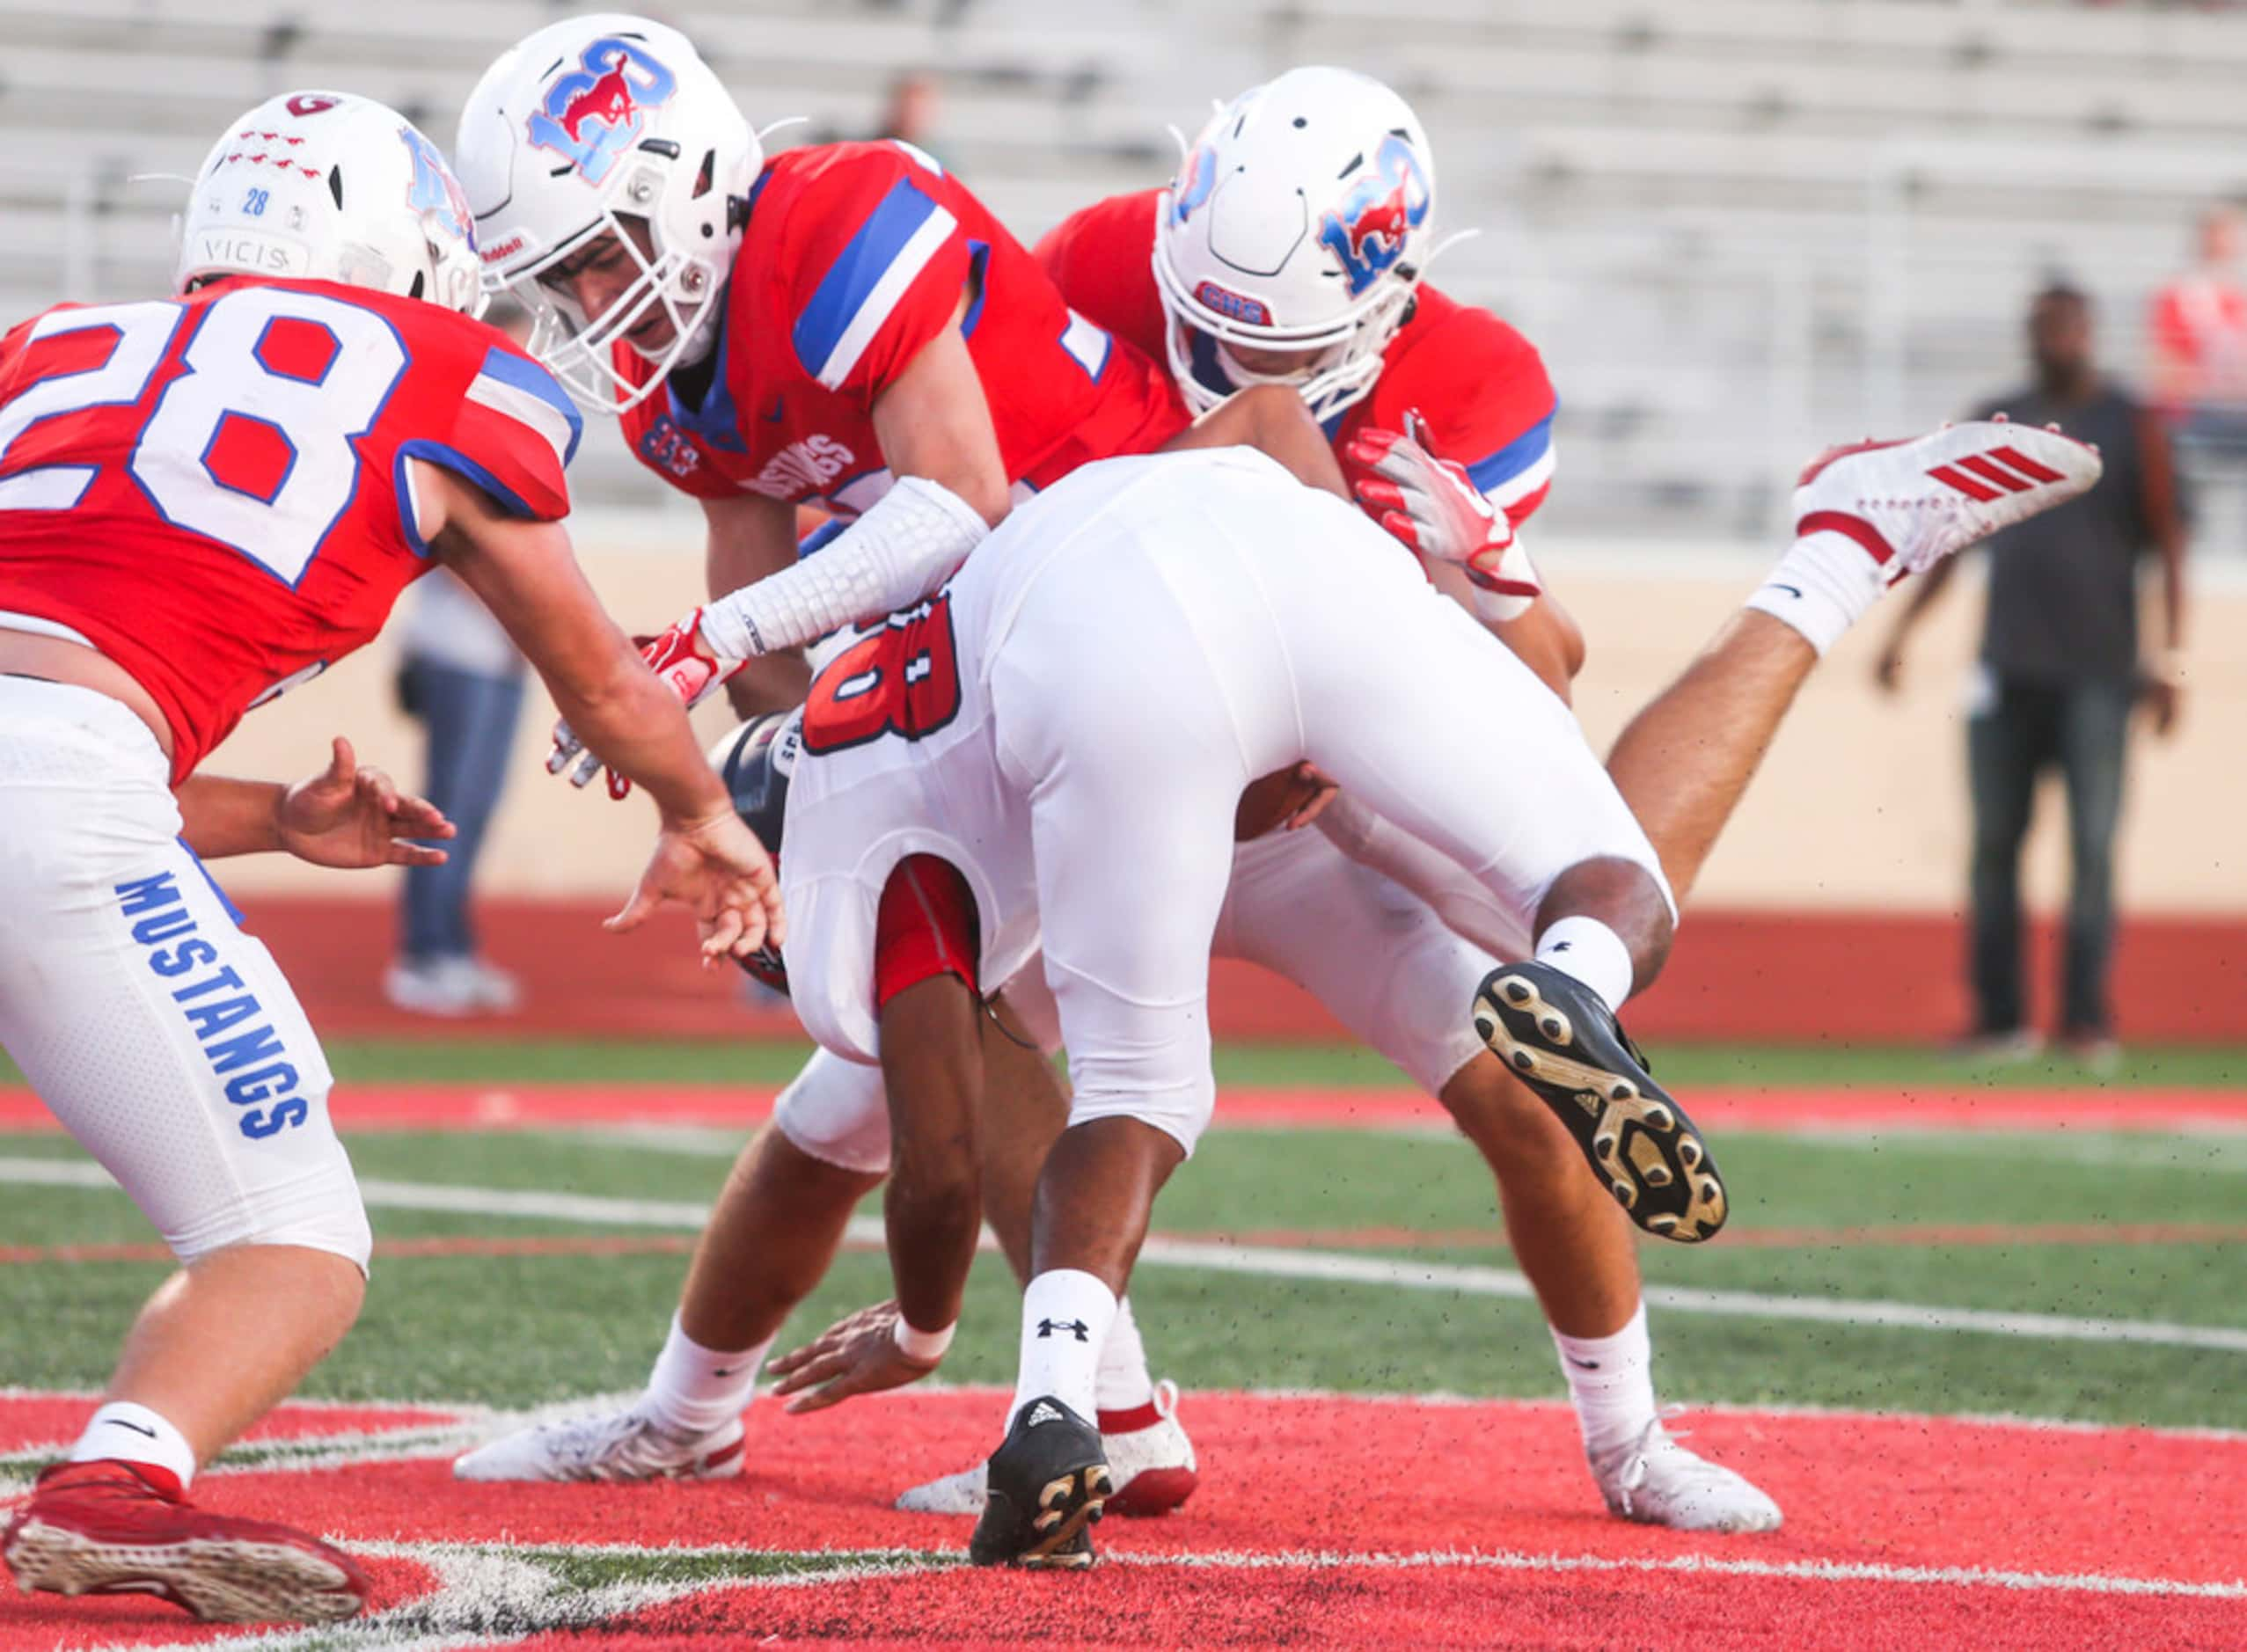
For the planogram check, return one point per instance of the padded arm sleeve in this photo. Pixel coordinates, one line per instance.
(907, 545)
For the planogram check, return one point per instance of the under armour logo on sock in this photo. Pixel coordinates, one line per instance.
(1047, 1327)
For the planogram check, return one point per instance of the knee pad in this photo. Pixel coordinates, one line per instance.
(835, 1111)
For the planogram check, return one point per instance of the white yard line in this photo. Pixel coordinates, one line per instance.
(1809, 1571)
(495, 1593)
(1326, 1267)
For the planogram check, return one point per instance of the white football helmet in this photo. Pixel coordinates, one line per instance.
(1301, 220)
(322, 186)
(583, 124)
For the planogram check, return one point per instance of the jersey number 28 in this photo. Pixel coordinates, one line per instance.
(241, 363)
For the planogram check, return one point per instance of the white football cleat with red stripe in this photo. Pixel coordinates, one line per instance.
(1910, 504)
(607, 1445)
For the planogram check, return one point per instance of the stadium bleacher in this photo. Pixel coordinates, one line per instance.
(1705, 213)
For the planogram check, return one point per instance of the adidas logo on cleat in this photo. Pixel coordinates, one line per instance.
(2002, 470)
(1042, 1413)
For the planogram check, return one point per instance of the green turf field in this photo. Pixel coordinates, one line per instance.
(519, 1329)
(709, 1061)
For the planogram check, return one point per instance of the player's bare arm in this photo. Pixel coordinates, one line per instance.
(932, 1071)
(2161, 680)
(345, 816)
(1545, 637)
(934, 423)
(524, 572)
(1273, 420)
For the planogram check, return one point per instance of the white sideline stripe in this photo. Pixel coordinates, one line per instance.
(1499, 1281)
(1323, 1266)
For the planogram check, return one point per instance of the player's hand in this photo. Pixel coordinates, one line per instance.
(717, 867)
(856, 1355)
(688, 668)
(353, 817)
(1433, 505)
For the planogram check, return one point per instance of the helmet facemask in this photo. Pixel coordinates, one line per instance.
(1341, 362)
(665, 281)
(607, 126)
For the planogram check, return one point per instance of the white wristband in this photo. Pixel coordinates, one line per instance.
(927, 1346)
(899, 551)
(1496, 608)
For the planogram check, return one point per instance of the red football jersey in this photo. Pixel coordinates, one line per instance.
(855, 256)
(1480, 386)
(213, 490)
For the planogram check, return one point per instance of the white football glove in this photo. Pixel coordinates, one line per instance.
(1433, 505)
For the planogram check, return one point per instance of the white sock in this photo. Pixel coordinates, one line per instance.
(1821, 587)
(1611, 1379)
(1066, 1314)
(694, 1390)
(136, 1435)
(1587, 950)
(1123, 1382)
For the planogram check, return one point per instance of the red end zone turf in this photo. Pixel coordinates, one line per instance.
(1322, 1521)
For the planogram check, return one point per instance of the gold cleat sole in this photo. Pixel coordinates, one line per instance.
(1067, 1504)
(1641, 1146)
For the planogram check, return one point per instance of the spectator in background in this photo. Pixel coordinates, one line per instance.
(2199, 333)
(2059, 674)
(912, 109)
(460, 677)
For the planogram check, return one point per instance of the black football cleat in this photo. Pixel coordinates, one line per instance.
(1555, 1035)
(1045, 1486)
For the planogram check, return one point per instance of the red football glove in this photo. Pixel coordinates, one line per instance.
(1433, 505)
(680, 658)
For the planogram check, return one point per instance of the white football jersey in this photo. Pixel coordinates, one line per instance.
(898, 759)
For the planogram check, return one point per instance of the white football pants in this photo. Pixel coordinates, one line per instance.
(165, 1038)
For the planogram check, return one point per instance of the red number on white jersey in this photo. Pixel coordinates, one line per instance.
(901, 678)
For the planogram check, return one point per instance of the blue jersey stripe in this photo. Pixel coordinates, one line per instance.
(453, 459)
(1516, 456)
(978, 261)
(820, 538)
(521, 373)
(843, 291)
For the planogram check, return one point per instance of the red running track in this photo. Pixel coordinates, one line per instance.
(1786, 976)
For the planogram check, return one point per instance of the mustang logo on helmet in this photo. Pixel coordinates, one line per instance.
(434, 190)
(1196, 181)
(593, 113)
(1366, 232)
